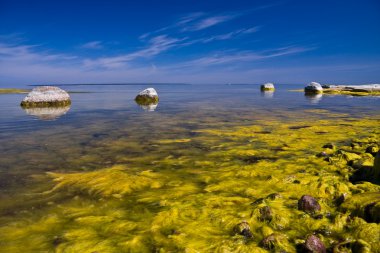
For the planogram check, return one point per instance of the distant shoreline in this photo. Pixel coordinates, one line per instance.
(112, 84)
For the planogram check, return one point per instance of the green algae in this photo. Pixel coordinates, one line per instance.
(355, 92)
(188, 193)
(108, 182)
(146, 100)
(64, 103)
(327, 91)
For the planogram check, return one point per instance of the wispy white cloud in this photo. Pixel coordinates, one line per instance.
(29, 64)
(156, 46)
(239, 57)
(230, 35)
(92, 45)
(192, 22)
(179, 24)
(208, 22)
(28, 53)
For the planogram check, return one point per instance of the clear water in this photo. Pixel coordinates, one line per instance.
(104, 127)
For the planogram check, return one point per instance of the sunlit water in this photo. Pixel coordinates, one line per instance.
(178, 140)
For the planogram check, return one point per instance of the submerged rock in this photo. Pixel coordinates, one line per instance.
(274, 241)
(147, 97)
(313, 88)
(267, 87)
(314, 245)
(329, 146)
(244, 229)
(46, 96)
(266, 213)
(274, 196)
(308, 204)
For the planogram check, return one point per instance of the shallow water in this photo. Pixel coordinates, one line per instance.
(179, 178)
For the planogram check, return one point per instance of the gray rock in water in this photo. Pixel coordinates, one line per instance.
(267, 86)
(308, 204)
(46, 96)
(147, 96)
(314, 245)
(313, 88)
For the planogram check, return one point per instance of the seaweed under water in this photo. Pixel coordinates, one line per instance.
(220, 188)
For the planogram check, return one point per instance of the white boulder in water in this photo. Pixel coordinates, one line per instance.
(46, 96)
(314, 88)
(267, 87)
(147, 96)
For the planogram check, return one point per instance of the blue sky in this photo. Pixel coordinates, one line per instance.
(284, 41)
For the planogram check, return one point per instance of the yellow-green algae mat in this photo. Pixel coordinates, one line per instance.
(192, 200)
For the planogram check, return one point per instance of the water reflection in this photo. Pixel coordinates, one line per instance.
(267, 93)
(314, 98)
(47, 113)
(148, 107)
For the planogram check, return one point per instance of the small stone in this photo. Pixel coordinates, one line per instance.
(318, 216)
(267, 87)
(329, 145)
(58, 240)
(266, 213)
(314, 245)
(274, 196)
(243, 229)
(268, 242)
(275, 242)
(313, 88)
(322, 154)
(308, 204)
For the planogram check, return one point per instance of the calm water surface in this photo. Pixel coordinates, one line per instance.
(32, 143)
(105, 127)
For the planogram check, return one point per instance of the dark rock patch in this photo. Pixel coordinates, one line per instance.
(329, 145)
(308, 204)
(266, 214)
(243, 229)
(263, 132)
(314, 245)
(256, 159)
(298, 127)
(274, 196)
